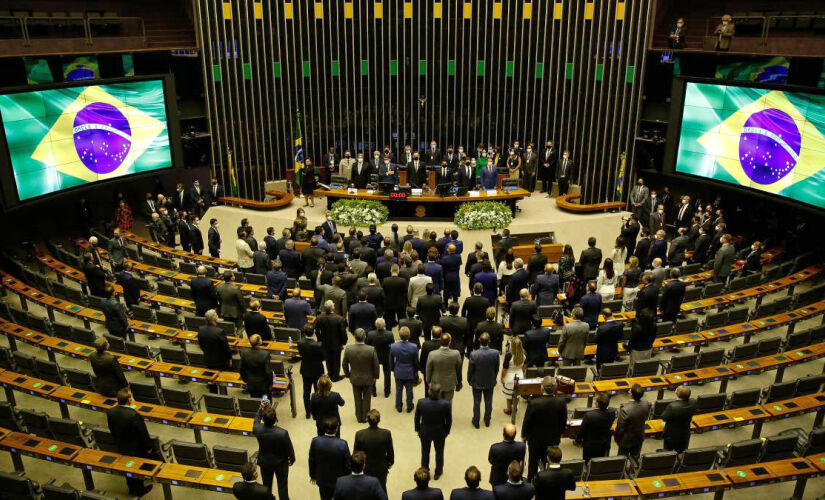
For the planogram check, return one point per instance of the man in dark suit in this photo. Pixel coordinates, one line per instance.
(131, 436)
(404, 365)
(678, 247)
(566, 167)
(515, 488)
(216, 351)
(117, 251)
(330, 227)
(658, 219)
(451, 267)
(547, 170)
(291, 260)
(195, 236)
(491, 326)
(116, 322)
(472, 477)
(701, 246)
(608, 336)
(481, 375)
(474, 309)
(312, 363)
(648, 296)
(215, 192)
(504, 452)
(382, 339)
(629, 232)
(596, 429)
(359, 485)
(270, 243)
(310, 256)
(95, 276)
(275, 452)
(677, 417)
(256, 323)
(249, 488)
(677, 35)
(443, 174)
(546, 287)
(261, 260)
(377, 444)
(203, 292)
(457, 327)
(521, 313)
(489, 176)
(466, 175)
(422, 490)
(672, 296)
(332, 332)
(519, 280)
(415, 326)
(130, 286)
(535, 343)
(429, 345)
(182, 227)
(198, 198)
(432, 156)
(329, 459)
(362, 314)
(433, 420)
(630, 426)
(640, 202)
(554, 481)
(416, 172)
(361, 172)
(536, 264)
(591, 304)
(642, 250)
(723, 260)
(255, 369)
(230, 299)
(108, 373)
(214, 239)
(429, 308)
(590, 260)
(544, 422)
(276, 280)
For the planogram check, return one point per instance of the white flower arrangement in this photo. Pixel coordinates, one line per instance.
(483, 215)
(359, 212)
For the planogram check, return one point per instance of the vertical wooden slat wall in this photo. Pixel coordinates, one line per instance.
(365, 73)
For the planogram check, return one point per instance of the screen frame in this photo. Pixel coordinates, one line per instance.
(674, 132)
(11, 200)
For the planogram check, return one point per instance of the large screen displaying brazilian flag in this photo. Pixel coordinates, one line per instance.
(764, 139)
(66, 137)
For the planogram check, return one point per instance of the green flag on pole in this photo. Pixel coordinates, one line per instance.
(299, 149)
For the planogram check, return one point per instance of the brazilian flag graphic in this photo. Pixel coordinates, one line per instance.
(81, 68)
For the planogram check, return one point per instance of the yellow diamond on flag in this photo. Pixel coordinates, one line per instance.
(767, 144)
(123, 133)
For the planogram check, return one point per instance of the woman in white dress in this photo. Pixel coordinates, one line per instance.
(607, 280)
(619, 256)
(513, 367)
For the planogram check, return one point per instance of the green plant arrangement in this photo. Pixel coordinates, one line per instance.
(359, 212)
(483, 215)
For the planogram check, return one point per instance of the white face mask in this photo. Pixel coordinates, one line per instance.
(566, 157)
(721, 241)
(432, 146)
(360, 160)
(724, 23)
(529, 150)
(679, 25)
(661, 211)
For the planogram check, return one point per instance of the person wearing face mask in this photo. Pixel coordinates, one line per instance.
(361, 171)
(345, 165)
(549, 160)
(197, 198)
(529, 167)
(215, 192)
(214, 238)
(387, 173)
(299, 225)
(566, 167)
(416, 172)
(443, 174)
(331, 159)
(514, 164)
(723, 259)
(467, 174)
(375, 161)
(309, 182)
(640, 202)
(657, 219)
(195, 236)
(433, 154)
(406, 156)
(330, 227)
(753, 260)
(724, 33)
(489, 175)
(716, 240)
(388, 152)
(452, 158)
(517, 148)
(677, 35)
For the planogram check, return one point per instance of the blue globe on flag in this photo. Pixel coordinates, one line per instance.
(769, 146)
(102, 137)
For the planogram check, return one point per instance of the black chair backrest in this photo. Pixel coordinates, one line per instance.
(744, 397)
(645, 368)
(191, 454)
(9, 418)
(116, 343)
(62, 330)
(229, 458)
(178, 398)
(743, 452)
(715, 320)
(657, 463)
(708, 403)
(60, 492)
(606, 468)
(779, 447)
(171, 354)
(659, 407)
(769, 347)
(48, 370)
(16, 487)
(83, 336)
(710, 357)
(138, 349)
(576, 466)
(25, 363)
(816, 442)
(248, 407)
(744, 351)
(610, 371)
(682, 362)
(664, 328)
(67, 430)
(780, 390)
(810, 384)
(79, 379)
(37, 422)
(738, 314)
(220, 404)
(798, 339)
(687, 325)
(146, 393)
(167, 318)
(577, 373)
(696, 459)
(104, 440)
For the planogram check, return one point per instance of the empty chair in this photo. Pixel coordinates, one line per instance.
(810, 443)
(606, 468)
(715, 320)
(65, 491)
(103, 439)
(613, 305)
(95, 302)
(197, 455)
(737, 284)
(692, 293)
(25, 363)
(193, 322)
(16, 487)
(696, 459)
(48, 370)
(753, 280)
(809, 296)
(809, 385)
(645, 368)
(179, 398)
(70, 431)
(764, 309)
(248, 407)
(738, 315)
(74, 295)
(255, 279)
(36, 422)
(656, 464)
(659, 407)
(6, 358)
(691, 268)
(165, 263)
(664, 328)
(62, 330)
(610, 371)
(798, 340)
(743, 351)
(555, 338)
(116, 344)
(285, 334)
(272, 305)
(770, 274)
(10, 418)
(220, 404)
(577, 373)
(166, 288)
(744, 397)
(713, 289)
(781, 390)
(18, 315)
(184, 292)
(682, 362)
(817, 334)
(227, 327)
(710, 357)
(79, 379)
(687, 325)
(779, 447)
(782, 304)
(139, 350)
(188, 267)
(146, 393)
(83, 336)
(576, 466)
(227, 458)
(38, 323)
(709, 403)
(768, 347)
(167, 318)
(742, 453)
(172, 354)
(142, 313)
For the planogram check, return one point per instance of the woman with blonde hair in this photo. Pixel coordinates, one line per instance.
(514, 366)
(299, 225)
(324, 404)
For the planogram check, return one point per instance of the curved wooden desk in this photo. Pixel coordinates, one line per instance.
(281, 200)
(565, 202)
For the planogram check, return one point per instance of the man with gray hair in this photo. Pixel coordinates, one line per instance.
(544, 422)
(361, 367)
(203, 292)
(336, 294)
(382, 339)
(519, 280)
(216, 351)
(384, 264)
(332, 333)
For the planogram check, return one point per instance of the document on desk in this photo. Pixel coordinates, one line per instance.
(473, 194)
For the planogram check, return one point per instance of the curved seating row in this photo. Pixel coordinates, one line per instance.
(281, 200)
(565, 202)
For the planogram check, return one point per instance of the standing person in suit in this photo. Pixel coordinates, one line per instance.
(456, 326)
(130, 286)
(108, 373)
(414, 325)
(481, 375)
(95, 276)
(590, 259)
(488, 280)
(519, 280)
(360, 174)
(275, 452)
(255, 369)
(489, 176)
(116, 322)
(444, 368)
(395, 296)
(544, 422)
(640, 202)
(474, 309)
(422, 490)
(629, 232)
(501, 454)
(377, 444)
(182, 227)
(131, 435)
(536, 263)
(359, 485)
(648, 296)
(198, 198)
(195, 236)
(630, 426)
(324, 405)
(256, 323)
(296, 310)
(417, 286)
(658, 219)
(472, 477)
(291, 260)
(597, 429)
(723, 261)
(466, 174)
(642, 335)
(214, 239)
(451, 266)
(381, 339)
(677, 35)
(270, 243)
(345, 165)
(215, 192)
(554, 481)
(535, 343)
(432, 156)
(329, 459)
(433, 420)
(608, 336)
(547, 171)
(591, 304)
(361, 367)
(117, 251)
(388, 172)
(677, 417)
(249, 488)
(444, 174)
(332, 333)
(216, 351)
(430, 345)
(642, 250)
(566, 167)
(230, 299)
(522, 312)
(724, 33)
(491, 327)
(546, 287)
(260, 260)
(276, 280)
(672, 296)
(404, 365)
(515, 488)
(312, 364)
(416, 172)
(529, 167)
(362, 314)
(678, 247)
(429, 308)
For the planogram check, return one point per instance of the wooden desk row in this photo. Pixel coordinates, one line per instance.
(282, 199)
(565, 202)
(142, 242)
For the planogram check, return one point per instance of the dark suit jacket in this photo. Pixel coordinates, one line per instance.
(535, 346)
(468, 493)
(116, 321)
(457, 327)
(474, 309)
(276, 284)
(359, 487)
(328, 460)
(521, 315)
(381, 340)
(494, 329)
(546, 288)
(362, 315)
(591, 304)
(590, 259)
(552, 483)
(672, 296)
(416, 177)
(129, 431)
(256, 371)
(215, 347)
(296, 311)
(700, 248)
(433, 418)
(251, 491)
(518, 280)
(443, 176)
(508, 491)
(500, 456)
(608, 336)
(255, 322)
(110, 378)
(291, 261)
(312, 358)
(425, 494)
(214, 240)
(630, 426)
(96, 280)
(642, 252)
(535, 265)
(415, 327)
(658, 248)
(375, 296)
(362, 178)
(426, 348)
(331, 331)
(230, 300)
(429, 309)
(274, 444)
(595, 432)
(677, 417)
(482, 371)
(545, 420)
(203, 293)
(395, 293)
(261, 262)
(465, 178)
(377, 444)
(676, 252)
(647, 298)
